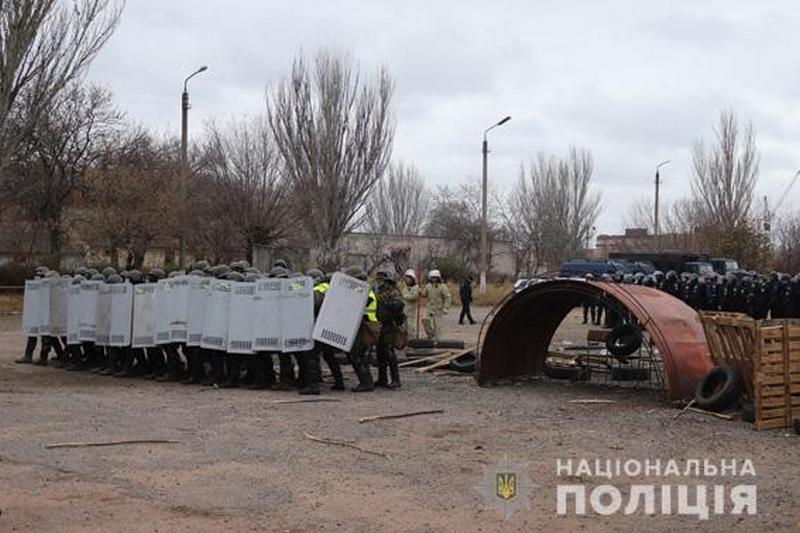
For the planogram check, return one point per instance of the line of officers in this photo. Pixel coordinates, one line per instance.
(776, 295)
(390, 316)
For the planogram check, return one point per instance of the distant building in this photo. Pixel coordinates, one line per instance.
(640, 240)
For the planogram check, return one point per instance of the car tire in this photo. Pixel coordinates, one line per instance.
(574, 373)
(718, 389)
(622, 373)
(465, 363)
(623, 340)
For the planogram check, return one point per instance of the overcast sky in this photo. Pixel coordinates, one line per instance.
(635, 82)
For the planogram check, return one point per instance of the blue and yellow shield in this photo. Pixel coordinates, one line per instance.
(505, 485)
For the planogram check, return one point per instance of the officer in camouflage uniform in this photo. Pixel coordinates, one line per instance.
(155, 354)
(392, 318)
(369, 324)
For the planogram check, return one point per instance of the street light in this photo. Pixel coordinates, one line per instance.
(184, 160)
(658, 184)
(484, 216)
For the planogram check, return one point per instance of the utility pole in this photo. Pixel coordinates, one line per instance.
(655, 214)
(484, 206)
(184, 170)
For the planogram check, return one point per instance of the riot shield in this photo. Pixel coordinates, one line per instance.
(240, 325)
(144, 315)
(58, 306)
(266, 315)
(103, 330)
(73, 314)
(297, 314)
(198, 293)
(87, 327)
(44, 306)
(121, 314)
(30, 308)
(215, 324)
(165, 303)
(340, 315)
(178, 315)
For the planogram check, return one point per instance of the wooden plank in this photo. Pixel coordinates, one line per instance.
(445, 360)
(770, 424)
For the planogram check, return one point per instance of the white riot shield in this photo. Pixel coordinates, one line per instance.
(87, 327)
(240, 326)
(165, 303)
(178, 316)
(266, 316)
(121, 314)
(297, 314)
(340, 315)
(73, 314)
(44, 306)
(30, 308)
(144, 315)
(58, 306)
(103, 330)
(215, 325)
(196, 313)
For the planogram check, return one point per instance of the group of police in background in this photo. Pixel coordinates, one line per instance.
(774, 296)
(391, 314)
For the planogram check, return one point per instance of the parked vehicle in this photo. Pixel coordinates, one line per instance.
(578, 268)
(723, 266)
(701, 268)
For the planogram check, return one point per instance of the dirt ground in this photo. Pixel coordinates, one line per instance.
(242, 462)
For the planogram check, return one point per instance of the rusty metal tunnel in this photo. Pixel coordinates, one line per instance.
(518, 336)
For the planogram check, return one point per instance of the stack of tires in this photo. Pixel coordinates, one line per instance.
(721, 389)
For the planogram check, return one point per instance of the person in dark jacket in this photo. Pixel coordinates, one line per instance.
(465, 292)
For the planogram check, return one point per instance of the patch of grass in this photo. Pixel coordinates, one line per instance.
(494, 293)
(10, 303)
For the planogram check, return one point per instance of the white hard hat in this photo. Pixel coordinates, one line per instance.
(435, 274)
(411, 274)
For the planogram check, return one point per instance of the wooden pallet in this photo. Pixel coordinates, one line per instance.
(777, 374)
(732, 341)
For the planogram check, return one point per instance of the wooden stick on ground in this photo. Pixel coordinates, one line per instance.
(445, 360)
(432, 357)
(307, 400)
(309, 436)
(723, 416)
(591, 401)
(108, 443)
(401, 415)
(686, 408)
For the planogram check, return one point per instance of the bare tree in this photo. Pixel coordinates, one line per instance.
(553, 202)
(57, 153)
(725, 175)
(246, 185)
(334, 134)
(129, 193)
(399, 203)
(44, 46)
(787, 245)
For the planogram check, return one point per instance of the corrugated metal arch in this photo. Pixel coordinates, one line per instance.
(518, 336)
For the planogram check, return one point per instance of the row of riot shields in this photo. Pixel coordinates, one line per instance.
(270, 314)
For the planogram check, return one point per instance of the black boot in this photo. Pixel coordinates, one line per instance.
(233, 364)
(27, 358)
(383, 379)
(217, 368)
(364, 374)
(394, 372)
(286, 370)
(336, 370)
(311, 372)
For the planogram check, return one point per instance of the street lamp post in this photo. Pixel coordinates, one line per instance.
(185, 162)
(484, 208)
(658, 185)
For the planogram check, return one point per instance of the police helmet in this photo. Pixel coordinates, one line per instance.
(157, 273)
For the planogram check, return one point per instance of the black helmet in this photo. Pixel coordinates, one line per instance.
(197, 273)
(156, 274)
(315, 274)
(233, 276)
(98, 277)
(280, 263)
(279, 272)
(175, 273)
(251, 276)
(108, 271)
(114, 278)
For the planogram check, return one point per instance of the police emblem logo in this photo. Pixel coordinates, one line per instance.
(505, 485)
